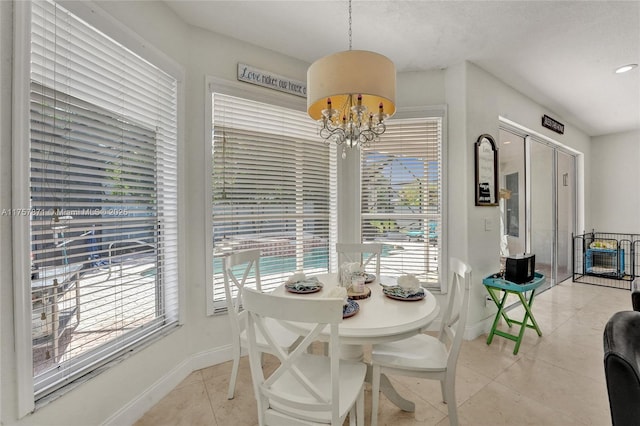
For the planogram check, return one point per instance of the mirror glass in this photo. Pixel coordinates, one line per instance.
(486, 171)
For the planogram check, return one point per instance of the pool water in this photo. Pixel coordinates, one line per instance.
(317, 259)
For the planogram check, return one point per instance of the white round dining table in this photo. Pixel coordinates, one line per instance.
(379, 319)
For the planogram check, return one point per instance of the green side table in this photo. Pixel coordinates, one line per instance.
(494, 286)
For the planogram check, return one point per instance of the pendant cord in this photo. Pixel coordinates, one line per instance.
(349, 24)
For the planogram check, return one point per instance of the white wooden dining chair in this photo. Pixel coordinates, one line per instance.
(306, 388)
(248, 261)
(365, 253)
(426, 356)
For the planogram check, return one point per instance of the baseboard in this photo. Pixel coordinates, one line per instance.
(135, 409)
(472, 331)
(210, 357)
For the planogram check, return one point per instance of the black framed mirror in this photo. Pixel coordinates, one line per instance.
(486, 154)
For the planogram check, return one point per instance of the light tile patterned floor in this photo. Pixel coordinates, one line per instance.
(557, 379)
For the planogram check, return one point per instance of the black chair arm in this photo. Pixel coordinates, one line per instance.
(621, 355)
(635, 294)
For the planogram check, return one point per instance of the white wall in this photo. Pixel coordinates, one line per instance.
(419, 89)
(615, 183)
(475, 99)
(460, 166)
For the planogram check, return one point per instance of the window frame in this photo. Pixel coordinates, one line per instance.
(105, 23)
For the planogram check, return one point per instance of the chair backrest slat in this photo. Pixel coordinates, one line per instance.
(455, 316)
(250, 259)
(364, 253)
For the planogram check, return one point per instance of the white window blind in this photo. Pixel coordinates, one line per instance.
(103, 198)
(272, 180)
(402, 197)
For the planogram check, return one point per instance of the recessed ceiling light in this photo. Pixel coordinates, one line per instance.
(626, 68)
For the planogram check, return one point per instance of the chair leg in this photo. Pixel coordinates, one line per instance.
(356, 414)
(375, 394)
(442, 389)
(450, 398)
(234, 371)
(261, 421)
(360, 408)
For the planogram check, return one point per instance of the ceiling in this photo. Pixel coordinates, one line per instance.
(562, 54)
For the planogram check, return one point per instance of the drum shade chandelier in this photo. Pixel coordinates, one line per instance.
(350, 94)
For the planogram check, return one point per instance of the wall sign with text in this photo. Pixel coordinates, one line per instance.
(267, 79)
(552, 124)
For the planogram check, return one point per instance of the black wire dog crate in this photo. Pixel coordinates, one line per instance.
(605, 258)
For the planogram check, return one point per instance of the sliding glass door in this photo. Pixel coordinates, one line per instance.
(566, 212)
(512, 194)
(541, 207)
(538, 202)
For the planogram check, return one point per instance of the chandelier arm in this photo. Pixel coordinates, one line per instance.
(366, 137)
(336, 134)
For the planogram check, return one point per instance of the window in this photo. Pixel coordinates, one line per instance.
(103, 198)
(272, 183)
(402, 197)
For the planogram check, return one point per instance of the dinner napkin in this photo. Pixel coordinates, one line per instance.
(310, 283)
(409, 282)
(405, 294)
(296, 278)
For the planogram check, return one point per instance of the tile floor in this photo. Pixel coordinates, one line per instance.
(557, 379)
